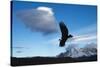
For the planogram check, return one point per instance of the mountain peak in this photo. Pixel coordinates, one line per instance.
(74, 51)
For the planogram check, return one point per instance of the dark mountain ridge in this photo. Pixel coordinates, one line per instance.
(49, 60)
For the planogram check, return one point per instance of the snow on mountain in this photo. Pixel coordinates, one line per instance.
(74, 51)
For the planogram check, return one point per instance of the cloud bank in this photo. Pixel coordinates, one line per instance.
(40, 19)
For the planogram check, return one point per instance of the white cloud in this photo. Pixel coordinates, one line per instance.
(40, 19)
(47, 9)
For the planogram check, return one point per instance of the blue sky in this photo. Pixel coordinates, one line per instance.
(81, 21)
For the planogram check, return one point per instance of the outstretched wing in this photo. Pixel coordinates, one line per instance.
(64, 29)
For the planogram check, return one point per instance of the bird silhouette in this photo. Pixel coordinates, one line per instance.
(65, 34)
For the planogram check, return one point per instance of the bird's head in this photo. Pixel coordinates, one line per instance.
(70, 36)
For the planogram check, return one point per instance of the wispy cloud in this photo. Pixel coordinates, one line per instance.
(18, 47)
(40, 19)
(75, 39)
(84, 38)
(18, 51)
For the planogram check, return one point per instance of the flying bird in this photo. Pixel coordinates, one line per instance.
(65, 34)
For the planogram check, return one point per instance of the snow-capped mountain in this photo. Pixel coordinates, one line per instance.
(74, 51)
